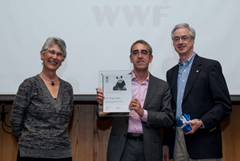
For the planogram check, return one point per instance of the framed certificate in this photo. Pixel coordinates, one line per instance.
(116, 86)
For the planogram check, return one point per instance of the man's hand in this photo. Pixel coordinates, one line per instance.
(136, 106)
(196, 124)
(99, 96)
(165, 153)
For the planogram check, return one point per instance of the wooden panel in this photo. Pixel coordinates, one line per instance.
(81, 132)
(8, 145)
(89, 135)
(231, 135)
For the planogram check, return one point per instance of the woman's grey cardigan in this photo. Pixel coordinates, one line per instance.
(40, 122)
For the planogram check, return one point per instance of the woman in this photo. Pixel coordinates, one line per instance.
(42, 110)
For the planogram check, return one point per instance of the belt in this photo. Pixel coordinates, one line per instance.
(134, 136)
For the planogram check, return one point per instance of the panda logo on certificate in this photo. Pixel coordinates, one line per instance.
(120, 85)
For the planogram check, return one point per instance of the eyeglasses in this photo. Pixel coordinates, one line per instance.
(183, 38)
(53, 52)
(143, 52)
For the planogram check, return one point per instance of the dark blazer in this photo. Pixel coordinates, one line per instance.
(158, 105)
(206, 97)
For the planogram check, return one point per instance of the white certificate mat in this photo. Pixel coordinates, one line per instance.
(116, 86)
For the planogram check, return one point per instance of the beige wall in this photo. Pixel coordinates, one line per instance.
(89, 136)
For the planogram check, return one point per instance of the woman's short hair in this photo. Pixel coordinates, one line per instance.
(52, 41)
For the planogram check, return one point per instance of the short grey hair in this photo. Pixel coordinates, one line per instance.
(184, 25)
(141, 42)
(52, 41)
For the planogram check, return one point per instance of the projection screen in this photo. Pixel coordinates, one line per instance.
(99, 33)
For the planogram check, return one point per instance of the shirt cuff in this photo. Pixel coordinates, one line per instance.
(145, 115)
(100, 108)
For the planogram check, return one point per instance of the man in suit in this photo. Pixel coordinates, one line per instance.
(198, 89)
(138, 137)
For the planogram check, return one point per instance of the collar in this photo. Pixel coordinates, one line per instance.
(188, 62)
(135, 78)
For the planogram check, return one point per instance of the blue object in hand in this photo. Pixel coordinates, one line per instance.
(183, 125)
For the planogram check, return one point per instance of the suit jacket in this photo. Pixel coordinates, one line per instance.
(158, 105)
(206, 97)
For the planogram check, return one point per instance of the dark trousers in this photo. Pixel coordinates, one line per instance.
(133, 151)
